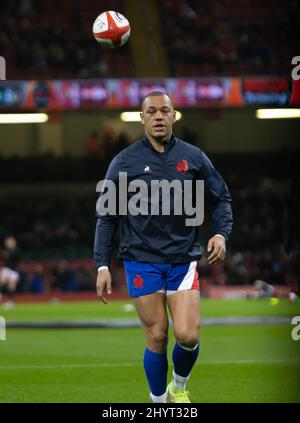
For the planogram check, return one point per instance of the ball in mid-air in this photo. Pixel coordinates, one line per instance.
(111, 29)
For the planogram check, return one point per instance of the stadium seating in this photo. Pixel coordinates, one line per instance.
(231, 37)
(53, 39)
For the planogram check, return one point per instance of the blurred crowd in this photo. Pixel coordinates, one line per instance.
(47, 273)
(265, 241)
(97, 152)
(53, 39)
(106, 146)
(209, 37)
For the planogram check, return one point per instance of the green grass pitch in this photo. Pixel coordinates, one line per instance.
(236, 364)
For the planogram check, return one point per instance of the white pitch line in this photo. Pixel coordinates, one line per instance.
(260, 361)
(83, 366)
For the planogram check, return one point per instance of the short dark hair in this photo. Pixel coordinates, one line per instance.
(154, 94)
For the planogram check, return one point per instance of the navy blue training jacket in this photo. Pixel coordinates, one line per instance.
(159, 238)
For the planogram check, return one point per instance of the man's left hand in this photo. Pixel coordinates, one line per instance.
(216, 248)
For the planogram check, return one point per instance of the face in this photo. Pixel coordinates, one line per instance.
(158, 116)
(10, 243)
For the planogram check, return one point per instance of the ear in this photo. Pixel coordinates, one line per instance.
(174, 116)
(142, 118)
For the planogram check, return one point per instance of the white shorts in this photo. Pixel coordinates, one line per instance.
(7, 275)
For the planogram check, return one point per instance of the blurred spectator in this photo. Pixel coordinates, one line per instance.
(92, 144)
(37, 280)
(263, 289)
(65, 276)
(9, 275)
(122, 141)
(291, 264)
(8, 283)
(10, 252)
(109, 143)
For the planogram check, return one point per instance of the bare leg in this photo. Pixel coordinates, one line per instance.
(153, 315)
(185, 310)
(184, 307)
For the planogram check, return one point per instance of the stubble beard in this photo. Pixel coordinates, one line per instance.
(162, 139)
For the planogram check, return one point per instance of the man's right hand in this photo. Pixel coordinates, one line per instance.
(103, 284)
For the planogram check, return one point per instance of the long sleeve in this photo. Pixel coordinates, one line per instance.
(218, 198)
(106, 224)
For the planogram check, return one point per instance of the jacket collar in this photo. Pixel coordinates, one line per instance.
(168, 145)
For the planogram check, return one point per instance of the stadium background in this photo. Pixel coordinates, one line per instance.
(222, 61)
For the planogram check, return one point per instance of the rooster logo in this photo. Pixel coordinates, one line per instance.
(138, 281)
(182, 166)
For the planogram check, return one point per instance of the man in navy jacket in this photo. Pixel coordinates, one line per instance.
(158, 243)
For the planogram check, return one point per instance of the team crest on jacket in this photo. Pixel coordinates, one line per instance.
(182, 166)
(138, 281)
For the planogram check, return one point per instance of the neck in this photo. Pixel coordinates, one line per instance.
(158, 145)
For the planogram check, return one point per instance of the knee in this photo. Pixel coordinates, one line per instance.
(11, 285)
(188, 341)
(159, 335)
(158, 338)
(187, 337)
